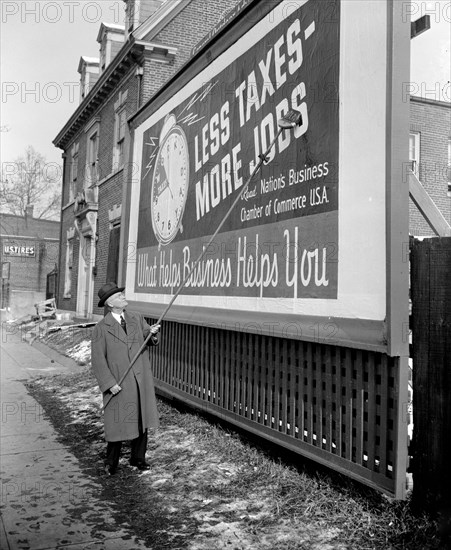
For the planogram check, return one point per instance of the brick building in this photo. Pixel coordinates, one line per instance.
(430, 154)
(134, 63)
(29, 252)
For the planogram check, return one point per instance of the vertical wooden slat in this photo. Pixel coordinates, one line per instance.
(188, 361)
(220, 338)
(178, 358)
(198, 359)
(227, 365)
(284, 369)
(318, 428)
(383, 414)
(217, 354)
(245, 373)
(359, 407)
(293, 388)
(277, 384)
(264, 382)
(207, 361)
(190, 369)
(329, 398)
(250, 376)
(341, 402)
(233, 368)
(301, 389)
(371, 408)
(169, 344)
(238, 372)
(391, 411)
(270, 392)
(348, 365)
(309, 404)
(203, 361)
(257, 389)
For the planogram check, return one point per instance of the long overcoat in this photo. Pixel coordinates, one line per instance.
(112, 351)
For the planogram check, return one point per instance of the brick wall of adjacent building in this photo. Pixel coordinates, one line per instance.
(432, 119)
(28, 271)
(184, 32)
(110, 196)
(67, 222)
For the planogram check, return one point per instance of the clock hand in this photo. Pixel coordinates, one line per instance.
(165, 184)
(169, 187)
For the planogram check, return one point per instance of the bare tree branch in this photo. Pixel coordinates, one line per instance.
(31, 181)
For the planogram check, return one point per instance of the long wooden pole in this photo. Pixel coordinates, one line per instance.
(292, 119)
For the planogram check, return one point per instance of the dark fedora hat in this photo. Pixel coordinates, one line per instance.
(107, 290)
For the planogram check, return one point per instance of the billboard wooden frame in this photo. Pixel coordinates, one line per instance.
(387, 335)
(373, 352)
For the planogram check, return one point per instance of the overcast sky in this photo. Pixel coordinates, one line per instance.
(41, 45)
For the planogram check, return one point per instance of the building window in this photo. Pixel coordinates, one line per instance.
(73, 171)
(120, 125)
(414, 152)
(113, 253)
(102, 56)
(93, 153)
(131, 13)
(68, 268)
(121, 122)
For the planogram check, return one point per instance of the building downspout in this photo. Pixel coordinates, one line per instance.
(139, 74)
(58, 279)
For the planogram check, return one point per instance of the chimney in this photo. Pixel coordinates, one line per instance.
(137, 11)
(88, 67)
(29, 211)
(111, 40)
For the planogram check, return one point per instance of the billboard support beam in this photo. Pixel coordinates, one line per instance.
(397, 204)
(431, 213)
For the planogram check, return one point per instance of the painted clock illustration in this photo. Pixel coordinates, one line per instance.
(170, 182)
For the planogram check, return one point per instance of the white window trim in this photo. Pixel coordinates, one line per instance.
(416, 159)
(68, 268)
(73, 168)
(92, 129)
(119, 107)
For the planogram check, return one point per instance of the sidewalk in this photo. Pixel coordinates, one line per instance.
(47, 501)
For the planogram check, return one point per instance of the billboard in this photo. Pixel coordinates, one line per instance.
(281, 241)
(307, 239)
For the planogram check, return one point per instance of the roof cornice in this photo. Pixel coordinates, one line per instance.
(159, 19)
(131, 54)
(438, 103)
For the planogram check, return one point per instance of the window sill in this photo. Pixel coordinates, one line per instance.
(71, 203)
(110, 175)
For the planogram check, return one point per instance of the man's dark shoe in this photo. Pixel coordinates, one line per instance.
(109, 470)
(140, 464)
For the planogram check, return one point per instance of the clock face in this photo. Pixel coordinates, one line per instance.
(170, 185)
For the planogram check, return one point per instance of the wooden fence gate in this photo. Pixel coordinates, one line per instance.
(431, 339)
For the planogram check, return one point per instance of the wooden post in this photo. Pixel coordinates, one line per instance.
(431, 333)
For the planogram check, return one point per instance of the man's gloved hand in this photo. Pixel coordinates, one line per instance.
(115, 389)
(154, 329)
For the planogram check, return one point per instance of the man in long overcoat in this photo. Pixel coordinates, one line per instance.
(132, 407)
